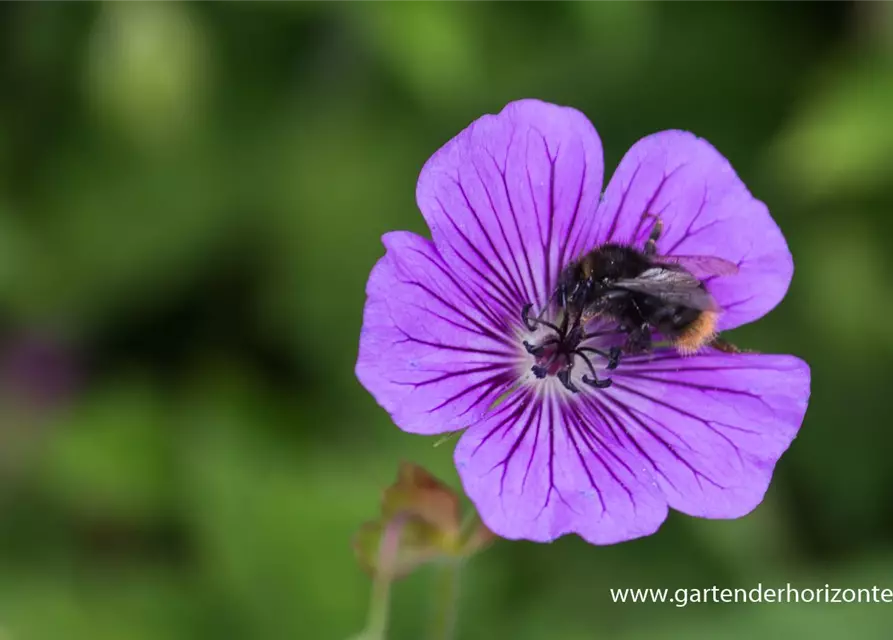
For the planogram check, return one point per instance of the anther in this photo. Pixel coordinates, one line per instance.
(531, 323)
(612, 355)
(598, 384)
(564, 376)
(594, 381)
(538, 350)
(539, 371)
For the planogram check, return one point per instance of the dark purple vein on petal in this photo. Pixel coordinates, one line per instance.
(552, 486)
(496, 321)
(501, 170)
(569, 418)
(562, 255)
(506, 425)
(605, 412)
(474, 326)
(521, 239)
(658, 191)
(502, 288)
(449, 347)
(666, 445)
(505, 307)
(505, 279)
(687, 233)
(492, 384)
(517, 284)
(648, 358)
(539, 229)
(592, 404)
(516, 400)
(738, 303)
(447, 375)
(593, 441)
(631, 371)
(536, 211)
(536, 440)
(547, 245)
(482, 331)
(613, 228)
(707, 423)
(702, 388)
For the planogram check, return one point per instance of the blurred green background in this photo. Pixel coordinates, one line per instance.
(191, 199)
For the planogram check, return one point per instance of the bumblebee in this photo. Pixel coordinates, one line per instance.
(644, 292)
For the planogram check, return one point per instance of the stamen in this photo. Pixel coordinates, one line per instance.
(612, 356)
(559, 360)
(564, 377)
(594, 381)
(526, 319)
(525, 311)
(538, 350)
(598, 384)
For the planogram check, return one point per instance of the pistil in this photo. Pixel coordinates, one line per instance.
(557, 352)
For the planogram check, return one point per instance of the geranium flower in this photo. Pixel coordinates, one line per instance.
(510, 201)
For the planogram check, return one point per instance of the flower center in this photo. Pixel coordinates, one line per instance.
(558, 351)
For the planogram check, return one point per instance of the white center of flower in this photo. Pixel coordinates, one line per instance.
(560, 346)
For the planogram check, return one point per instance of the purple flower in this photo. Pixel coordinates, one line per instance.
(510, 201)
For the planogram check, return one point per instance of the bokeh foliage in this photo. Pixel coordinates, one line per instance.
(191, 198)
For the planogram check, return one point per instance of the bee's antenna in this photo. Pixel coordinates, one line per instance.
(548, 303)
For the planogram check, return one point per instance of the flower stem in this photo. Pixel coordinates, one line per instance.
(446, 594)
(377, 621)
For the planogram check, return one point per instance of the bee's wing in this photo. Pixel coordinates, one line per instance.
(671, 286)
(703, 266)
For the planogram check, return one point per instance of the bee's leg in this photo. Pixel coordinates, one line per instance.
(564, 322)
(651, 243)
(614, 358)
(639, 339)
(726, 347)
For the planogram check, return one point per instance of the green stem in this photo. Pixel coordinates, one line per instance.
(377, 622)
(447, 592)
(469, 523)
(446, 600)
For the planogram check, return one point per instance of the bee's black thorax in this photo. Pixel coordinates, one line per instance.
(614, 262)
(587, 288)
(584, 282)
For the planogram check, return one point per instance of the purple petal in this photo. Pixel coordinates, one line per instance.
(509, 199)
(430, 353)
(709, 427)
(706, 210)
(536, 469)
